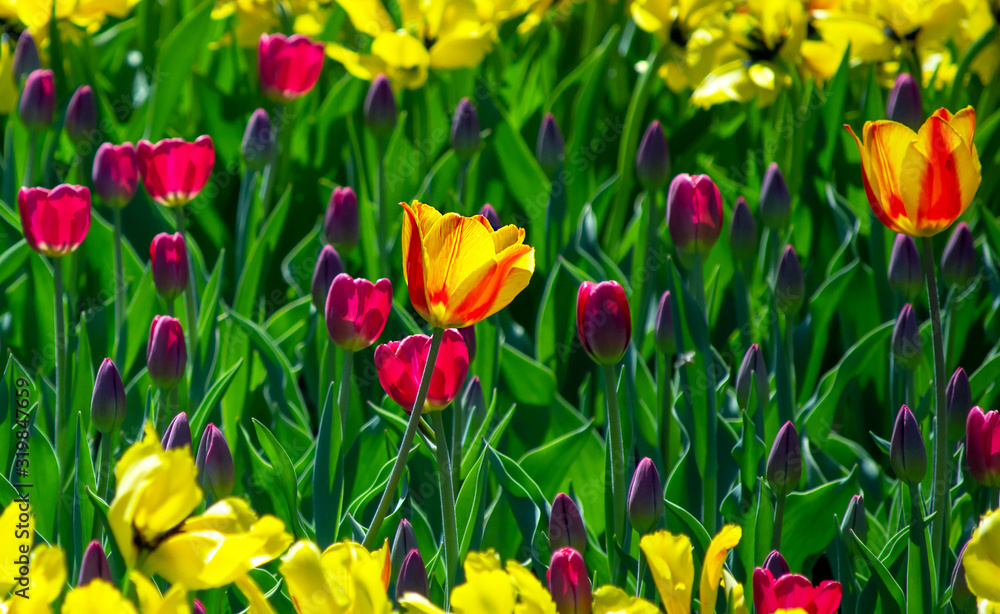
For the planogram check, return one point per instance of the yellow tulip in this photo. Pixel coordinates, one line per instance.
(613, 600)
(255, 17)
(46, 581)
(174, 601)
(17, 525)
(671, 564)
(533, 597)
(711, 569)
(459, 270)
(982, 561)
(345, 578)
(8, 89)
(97, 597)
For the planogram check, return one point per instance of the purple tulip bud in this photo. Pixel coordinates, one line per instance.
(652, 160)
(116, 173)
(959, 402)
(907, 453)
(752, 372)
(168, 259)
(663, 329)
(905, 104)
(81, 115)
(412, 576)
(38, 100)
(905, 274)
(855, 519)
(216, 473)
(551, 148)
(258, 141)
(469, 335)
(569, 583)
(380, 108)
(775, 201)
(107, 405)
(26, 59)
(178, 433)
(328, 266)
(958, 261)
(743, 232)
(491, 216)
(166, 354)
(603, 321)
(907, 348)
(566, 528)
(694, 213)
(465, 130)
(784, 463)
(403, 543)
(340, 224)
(645, 497)
(197, 608)
(790, 285)
(94, 565)
(776, 564)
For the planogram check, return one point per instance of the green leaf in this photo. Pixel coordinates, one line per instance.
(85, 479)
(893, 601)
(694, 528)
(215, 393)
(529, 381)
(283, 471)
(327, 502)
(468, 505)
(13, 259)
(809, 524)
(549, 464)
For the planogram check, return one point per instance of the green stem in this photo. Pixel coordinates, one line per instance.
(458, 418)
(344, 396)
(383, 214)
(447, 502)
(617, 453)
(779, 517)
(57, 280)
(665, 396)
(638, 575)
(190, 305)
(243, 205)
(29, 161)
(790, 356)
(696, 284)
(463, 170)
(918, 584)
(119, 351)
(939, 491)
(909, 394)
(105, 467)
(742, 307)
(404, 445)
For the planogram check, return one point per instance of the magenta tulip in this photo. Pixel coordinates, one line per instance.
(55, 222)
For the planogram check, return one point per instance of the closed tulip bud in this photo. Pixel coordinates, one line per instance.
(166, 354)
(356, 311)
(340, 224)
(403, 543)
(603, 321)
(38, 100)
(855, 519)
(905, 273)
(474, 401)
(178, 433)
(743, 232)
(380, 107)
(652, 160)
(566, 528)
(958, 261)
(328, 266)
(776, 564)
(907, 348)
(465, 130)
(491, 216)
(197, 608)
(775, 201)
(645, 497)
(694, 213)
(168, 259)
(412, 576)
(26, 59)
(94, 565)
(216, 473)
(752, 372)
(784, 463)
(663, 331)
(790, 285)
(569, 584)
(107, 405)
(959, 401)
(469, 334)
(907, 453)
(258, 141)
(982, 446)
(81, 116)
(116, 174)
(551, 148)
(905, 104)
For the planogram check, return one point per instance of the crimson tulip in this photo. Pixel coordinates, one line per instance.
(288, 67)
(793, 592)
(174, 170)
(55, 222)
(400, 366)
(356, 311)
(982, 446)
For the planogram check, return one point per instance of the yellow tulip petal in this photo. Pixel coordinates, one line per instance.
(17, 540)
(368, 16)
(671, 564)
(361, 65)
(613, 600)
(711, 571)
(97, 597)
(532, 596)
(481, 562)
(982, 558)
(885, 143)
(414, 602)
(48, 573)
(400, 50)
(307, 583)
(487, 591)
(258, 602)
(461, 50)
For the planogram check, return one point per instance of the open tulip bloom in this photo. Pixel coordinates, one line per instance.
(174, 171)
(288, 67)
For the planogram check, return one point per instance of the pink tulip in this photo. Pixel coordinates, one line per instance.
(694, 213)
(603, 321)
(166, 353)
(288, 67)
(55, 221)
(174, 170)
(791, 592)
(356, 311)
(116, 173)
(168, 259)
(982, 446)
(400, 366)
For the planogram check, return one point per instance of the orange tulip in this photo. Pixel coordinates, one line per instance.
(459, 270)
(919, 183)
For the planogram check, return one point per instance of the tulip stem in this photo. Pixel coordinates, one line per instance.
(119, 350)
(190, 305)
(463, 170)
(939, 491)
(344, 396)
(383, 215)
(742, 307)
(57, 281)
(617, 455)
(918, 586)
(29, 160)
(447, 502)
(790, 359)
(779, 517)
(404, 445)
(638, 574)
(105, 468)
(663, 385)
(696, 284)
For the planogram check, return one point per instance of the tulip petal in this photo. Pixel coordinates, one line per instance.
(886, 143)
(711, 572)
(981, 558)
(458, 246)
(450, 370)
(307, 583)
(671, 564)
(395, 378)
(827, 597)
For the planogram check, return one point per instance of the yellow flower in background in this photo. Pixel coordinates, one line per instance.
(215, 548)
(88, 15)
(46, 581)
(981, 17)
(256, 17)
(97, 597)
(982, 562)
(613, 600)
(174, 601)
(15, 537)
(344, 578)
(8, 89)
(671, 564)
(434, 34)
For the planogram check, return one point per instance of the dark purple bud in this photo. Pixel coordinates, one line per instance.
(328, 266)
(26, 59)
(551, 147)
(116, 173)
(775, 201)
(38, 100)
(566, 528)
(94, 565)
(402, 544)
(743, 232)
(258, 141)
(776, 564)
(81, 115)
(905, 274)
(959, 402)
(905, 104)
(197, 608)
(380, 108)
(340, 224)
(784, 463)
(491, 215)
(412, 576)
(216, 473)
(168, 259)
(107, 406)
(465, 130)
(178, 433)
(663, 328)
(907, 453)
(645, 497)
(569, 583)
(855, 519)
(166, 353)
(790, 285)
(958, 261)
(752, 372)
(652, 160)
(907, 348)
(469, 335)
